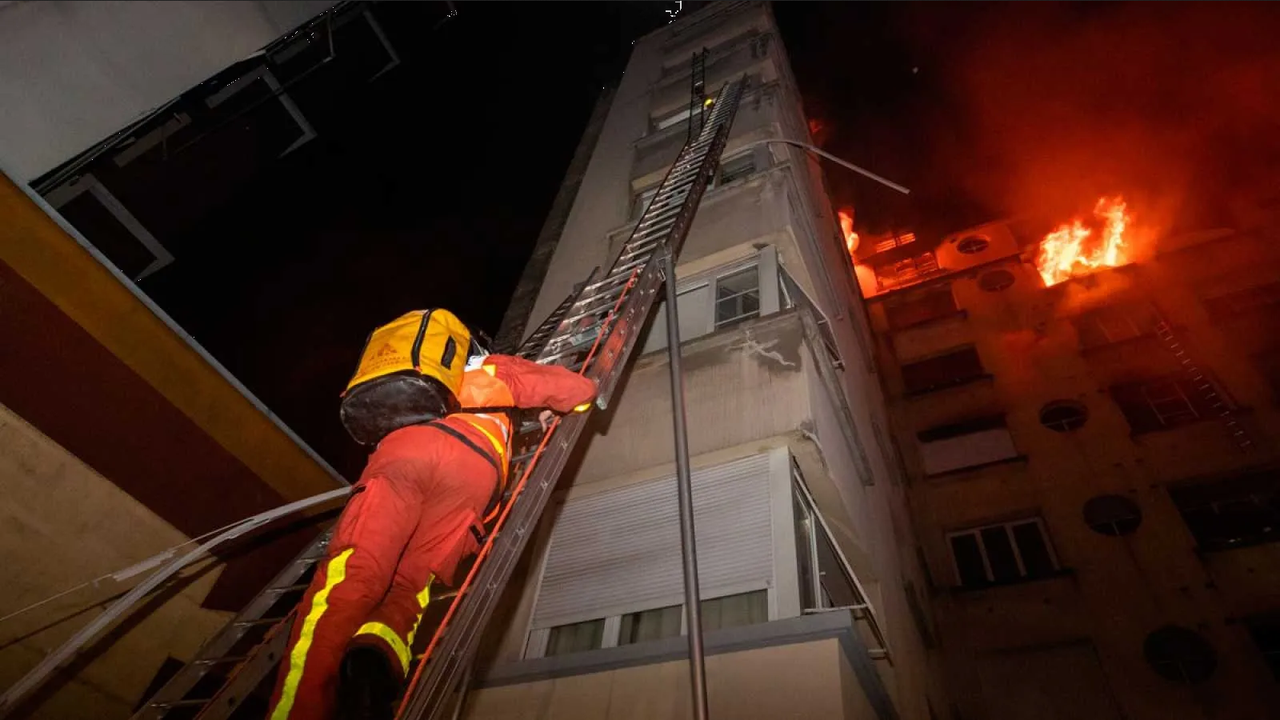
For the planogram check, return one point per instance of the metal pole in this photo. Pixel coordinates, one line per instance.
(684, 486)
(845, 163)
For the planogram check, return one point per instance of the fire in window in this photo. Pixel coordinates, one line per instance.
(1232, 513)
(1170, 402)
(1004, 553)
(935, 373)
(907, 271)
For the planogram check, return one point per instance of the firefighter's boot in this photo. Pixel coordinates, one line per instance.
(368, 686)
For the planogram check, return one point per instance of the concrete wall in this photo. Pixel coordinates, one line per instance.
(803, 680)
(64, 525)
(73, 73)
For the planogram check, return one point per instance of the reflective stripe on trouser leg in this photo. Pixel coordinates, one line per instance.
(401, 648)
(335, 572)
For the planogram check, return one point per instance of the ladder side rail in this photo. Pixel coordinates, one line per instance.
(221, 643)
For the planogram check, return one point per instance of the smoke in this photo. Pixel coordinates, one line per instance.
(1042, 108)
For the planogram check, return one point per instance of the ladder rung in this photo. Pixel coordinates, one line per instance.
(181, 703)
(263, 621)
(221, 660)
(288, 588)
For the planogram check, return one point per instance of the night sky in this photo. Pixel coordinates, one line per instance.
(428, 186)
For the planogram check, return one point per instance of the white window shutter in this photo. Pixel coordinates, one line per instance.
(618, 552)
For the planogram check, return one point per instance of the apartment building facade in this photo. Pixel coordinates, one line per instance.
(1093, 470)
(812, 603)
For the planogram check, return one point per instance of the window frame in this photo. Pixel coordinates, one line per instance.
(765, 261)
(1008, 526)
(1200, 406)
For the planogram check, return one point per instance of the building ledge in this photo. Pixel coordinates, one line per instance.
(1243, 411)
(791, 631)
(1014, 459)
(939, 320)
(965, 592)
(985, 378)
(1093, 350)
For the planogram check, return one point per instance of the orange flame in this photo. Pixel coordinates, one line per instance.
(851, 238)
(1072, 249)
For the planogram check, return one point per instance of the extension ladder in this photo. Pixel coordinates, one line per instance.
(592, 332)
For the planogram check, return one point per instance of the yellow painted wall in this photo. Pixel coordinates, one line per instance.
(35, 246)
(64, 524)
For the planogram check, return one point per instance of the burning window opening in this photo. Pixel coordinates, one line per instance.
(894, 240)
(1073, 249)
(851, 238)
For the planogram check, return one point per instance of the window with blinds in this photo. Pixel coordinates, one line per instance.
(613, 572)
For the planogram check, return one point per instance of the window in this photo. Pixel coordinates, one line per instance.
(892, 241)
(1112, 515)
(921, 308)
(575, 637)
(1237, 512)
(971, 443)
(1005, 553)
(1180, 655)
(832, 582)
(720, 299)
(1265, 631)
(954, 368)
(996, 280)
(612, 571)
(717, 614)
(905, 272)
(737, 297)
(671, 119)
(1254, 299)
(1115, 323)
(1166, 403)
(1064, 415)
(736, 168)
(641, 200)
(972, 244)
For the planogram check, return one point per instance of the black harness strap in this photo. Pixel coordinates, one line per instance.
(468, 442)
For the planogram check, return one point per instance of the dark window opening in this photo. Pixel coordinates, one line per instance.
(1115, 323)
(972, 245)
(1165, 403)
(1262, 297)
(1000, 554)
(1265, 632)
(955, 368)
(737, 168)
(921, 308)
(964, 427)
(1180, 655)
(995, 280)
(1232, 513)
(1063, 415)
(1112, 515)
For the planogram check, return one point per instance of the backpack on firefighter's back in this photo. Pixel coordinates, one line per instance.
(409, 373)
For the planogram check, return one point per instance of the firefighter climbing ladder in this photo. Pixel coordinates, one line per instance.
(592, 332)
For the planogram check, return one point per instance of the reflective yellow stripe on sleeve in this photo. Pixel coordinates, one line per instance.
(335, 572)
